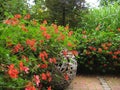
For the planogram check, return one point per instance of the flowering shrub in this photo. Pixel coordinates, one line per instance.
(100, 40)
(99, 50)
(28, 52)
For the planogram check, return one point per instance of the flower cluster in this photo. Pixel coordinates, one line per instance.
(99, 50)
(30, 52)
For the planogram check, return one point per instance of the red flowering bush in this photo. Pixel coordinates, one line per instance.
(99, 50)
(29, 51)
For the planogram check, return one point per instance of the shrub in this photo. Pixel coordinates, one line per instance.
(99, 50)
(106, 18)
(99, 39)
(28, 52)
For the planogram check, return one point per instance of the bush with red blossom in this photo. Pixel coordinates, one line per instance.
(28, 52)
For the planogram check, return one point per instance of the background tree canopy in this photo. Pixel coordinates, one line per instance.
(106, 2)
(12, 7)
(61, 12)
(64, 11)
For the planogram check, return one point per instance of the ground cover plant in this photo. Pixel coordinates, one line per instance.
(29, 51)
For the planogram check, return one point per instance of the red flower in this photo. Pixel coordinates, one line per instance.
(46, 35)
(67, 27)
(69, 44)
(88, 52)
(110, 53)
(12, 71)
(43, 66)
(62, 37)
(74, 52)
(48, 74)
(25, 57)
(12, 21)
(114, 57)
(56, 30)
(24, 28)
(34, 22)
(84, 36)
(37, 80)
(43, 55)
(31, 43)
(55, 26)
(66, 77)
(30, 88)
(104, 65)
(70, 33)
(17, 48)
(26, 69)
(100, 50)
(41, 41)
(43, 28)
(49, 79)
(17, 16)
(52, 60)
(27, 16)
(44, 77)
(33, 48)
(49, 88)
(117, 52)
(64, 52)
(45, 22)
(23, 68)
(92, 48)
(118, 29)
(8, 21)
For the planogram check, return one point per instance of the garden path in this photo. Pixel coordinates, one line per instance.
(95, 82)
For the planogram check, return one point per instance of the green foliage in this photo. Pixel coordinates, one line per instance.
(65, 11)
(28, 52)
(38, 11)
(99, 51)
(107, 2)
(99, 47)
(104, 18)
(12, 7)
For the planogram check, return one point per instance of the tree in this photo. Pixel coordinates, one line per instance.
(38, 11)
(12, 7)
(106, 2)
(64, 11)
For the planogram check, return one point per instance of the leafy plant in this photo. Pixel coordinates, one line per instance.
(99, 51)
(28, 52)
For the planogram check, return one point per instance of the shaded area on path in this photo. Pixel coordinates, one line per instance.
(92, 82)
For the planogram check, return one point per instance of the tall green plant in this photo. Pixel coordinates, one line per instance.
(106, 17)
